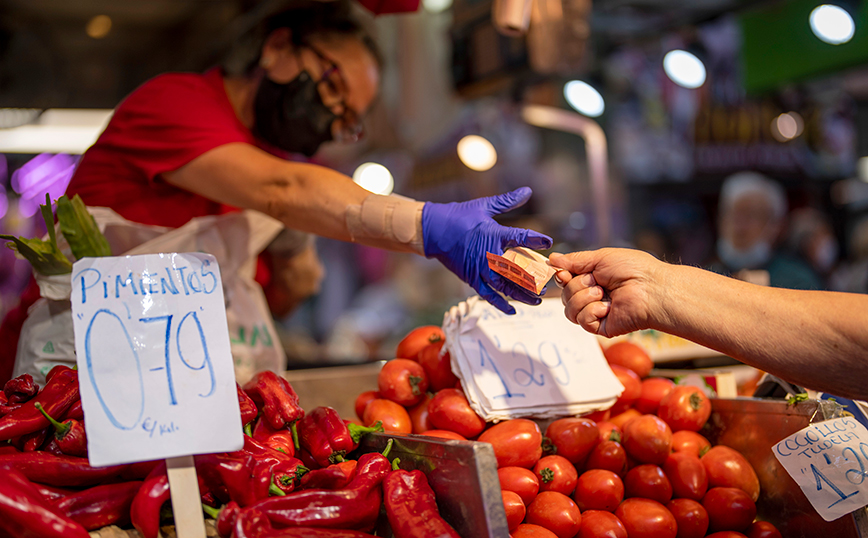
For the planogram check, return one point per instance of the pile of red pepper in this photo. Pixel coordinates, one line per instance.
(293, 477)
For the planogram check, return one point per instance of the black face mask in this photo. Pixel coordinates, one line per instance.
(292, 116)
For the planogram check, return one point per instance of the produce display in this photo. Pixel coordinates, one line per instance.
(639, 469)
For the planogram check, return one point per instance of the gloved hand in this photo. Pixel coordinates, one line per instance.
(459, 234)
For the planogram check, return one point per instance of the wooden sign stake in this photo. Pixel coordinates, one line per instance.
(186, 504)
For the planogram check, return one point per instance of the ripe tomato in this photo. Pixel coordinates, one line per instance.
(654, 389)
(395, 418)
(726, 467)
(410, 346)
(726, 534)
(621, 419)
(609, 432)
(599, 489)
(762, 529)
(647, 439)
(649, 482)
(574, 438)
(687, 475)
(729, 509)
(644, 518)
(599, 416)
(532, 531)
(690, 442)
(449, 410)
(514, 507)
(363, 399)
(403, 381)
(516, 442)
(437, 367)
(600, 524)
(556, 512)
(444, 434)
(629, 355)
(519, 480)
(608, 455)
(685, 408)
(419, 415)
(556, 473)
(632, 388)
(691, 517)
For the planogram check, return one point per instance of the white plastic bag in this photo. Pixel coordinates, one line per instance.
(235, 239)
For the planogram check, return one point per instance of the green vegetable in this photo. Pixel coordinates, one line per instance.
(44, 256)
(80, 229)
(794, 399)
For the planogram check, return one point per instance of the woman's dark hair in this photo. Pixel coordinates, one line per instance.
(305, 20)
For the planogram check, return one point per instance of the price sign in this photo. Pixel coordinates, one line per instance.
(533, 363)
(152, 349)
(829, 461)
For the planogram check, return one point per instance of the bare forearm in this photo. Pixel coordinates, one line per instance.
(815, 339)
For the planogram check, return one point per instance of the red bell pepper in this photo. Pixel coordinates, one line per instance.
(276, 399)
(231, 476)
(286, 475)
(20, 389)
(253, 523)
(337, 476)
(25, 514)
(145, 508)
(100, 506)
(280, 439)
(355, 507)
(246, 406)
(57, 396)
(75, 412)
(46, 468)
(412, 507)
(70, 434)
(224, 518)
(327, 438)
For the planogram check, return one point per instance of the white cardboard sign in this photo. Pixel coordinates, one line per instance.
(152, 349)
(829, 461)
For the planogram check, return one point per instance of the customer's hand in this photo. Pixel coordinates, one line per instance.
(610, 291)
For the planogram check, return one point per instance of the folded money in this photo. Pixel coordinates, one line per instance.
(528, 269)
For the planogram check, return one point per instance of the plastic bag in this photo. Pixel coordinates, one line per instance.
(235, 239)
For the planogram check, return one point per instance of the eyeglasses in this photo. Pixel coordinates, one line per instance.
(333, 90)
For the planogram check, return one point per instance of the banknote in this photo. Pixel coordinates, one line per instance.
(528, 269)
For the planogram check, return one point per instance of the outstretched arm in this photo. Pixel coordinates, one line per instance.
(816, 339)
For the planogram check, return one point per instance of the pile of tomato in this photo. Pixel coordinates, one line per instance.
(637, 470)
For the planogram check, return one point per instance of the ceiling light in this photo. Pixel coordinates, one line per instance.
(787, 126)
(56, 131)
(832, 24)
(375, 178)
(584, 98)
(684, 68)
(436, 6)
(477, 153)
(99, 26)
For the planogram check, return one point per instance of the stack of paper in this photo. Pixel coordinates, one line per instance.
(534, 363)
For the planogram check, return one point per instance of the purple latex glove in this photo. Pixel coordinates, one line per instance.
(459, 234)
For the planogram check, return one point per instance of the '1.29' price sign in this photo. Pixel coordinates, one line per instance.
(829, 461)
(152, 349)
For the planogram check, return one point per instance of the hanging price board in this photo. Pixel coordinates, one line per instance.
(152, 349)
(829, 461)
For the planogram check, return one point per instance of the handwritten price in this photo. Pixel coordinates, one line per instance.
(525, 376)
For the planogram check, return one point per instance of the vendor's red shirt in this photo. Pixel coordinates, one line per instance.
(163, 125)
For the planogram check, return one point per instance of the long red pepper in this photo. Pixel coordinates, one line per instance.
(226, 519)
(51, 493)
(252, 523)
(412, 507)
(7, 409)
(20, 389)
(53, 470)
(30, 442)
(355, 507)
(246, 406)
(56, 370)
(75, 411)
(25, 514)
(100, 506)
(231, 475)
(57, 396)
(145, 508)
(70, 434)
(8, 449)
(325, 436)
(337, 476)
(276, 399)
(3, 399)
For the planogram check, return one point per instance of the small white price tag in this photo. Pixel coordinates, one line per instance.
(533, 363)
(829, 461)
(152, 349)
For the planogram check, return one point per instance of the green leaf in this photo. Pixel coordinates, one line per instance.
(44, 256)
(80, 229)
